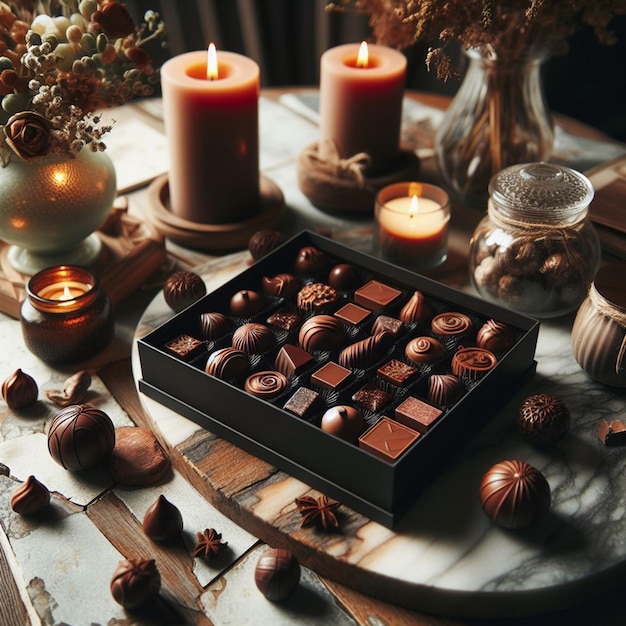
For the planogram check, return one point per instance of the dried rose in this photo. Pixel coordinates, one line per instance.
(28, 134)
(114, 20)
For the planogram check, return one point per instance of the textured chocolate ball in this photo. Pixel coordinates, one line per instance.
(20, 390)
(214, 325)
(344, 422)
(263, 242)
(30, 497)
(182, 289)
(514, 494)
(280, 286)
(310, 261)
(495, 336)
(416, 309)
(253, 338)
(227, 364)
(321, 332)
(163, 520)
(445, 389)
(81, 437)
(135, 582)
(246, 303)
(344, 277)
(277, 574)
(543, 419)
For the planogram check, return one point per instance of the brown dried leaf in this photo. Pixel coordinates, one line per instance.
(73, 392)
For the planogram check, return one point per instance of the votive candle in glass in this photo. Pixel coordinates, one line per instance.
(66, 316)
(412, 225)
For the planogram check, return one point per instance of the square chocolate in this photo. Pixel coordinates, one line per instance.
(372, 398)
(285, 320)
(331, 376)
(352, 313)
(397, 373)
(302, 401)
(291, 359)
(387, 439)
(185, 347)
(376, 295)
(416, 414)
(387, 324)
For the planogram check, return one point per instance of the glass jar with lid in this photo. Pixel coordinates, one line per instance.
(535, 251)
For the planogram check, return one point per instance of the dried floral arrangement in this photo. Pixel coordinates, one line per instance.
(61, 61)
(512, 26)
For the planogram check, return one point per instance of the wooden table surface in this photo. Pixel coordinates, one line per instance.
(325, 601)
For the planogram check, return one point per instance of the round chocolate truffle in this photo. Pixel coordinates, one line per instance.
(263, 242)
(344, 277)
(424, 350)
(135, 582)
(321, 332)
(182, 289)
(253, 338)
(451, 324)
(227, 364)
(310, 261)
(343, 421)
(30, 497)
(543, 419)
(266, 384)
(81, 437)
(281, 285)
(495, 337)
(315, 296)
(445, 389)
(214, 325)
(20, 390)
(246, 303)
(277, 574)
(514, 494)
(473, 363)
(163, 520)
(416, 309)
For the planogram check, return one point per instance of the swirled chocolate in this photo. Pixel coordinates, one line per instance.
(263, 242)
(321, 332)
(366, 352)
(424, 350)
(495, 337)
(416, 309)
(473, 363)
(246, 303)
(315, 296)
(227, 364)
(281, 285)
(253, 338)
(266, 384)
(214, 325)
(310, 261)
(444, 389)
(451, 323)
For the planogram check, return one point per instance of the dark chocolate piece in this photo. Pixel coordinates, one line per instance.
(344, 422)
(416, 309)
(182, 289)
(277, 574)
(266, 384)
(20, 390)
(321, 332)
(424, 350)
(281, 285)
(285, 320)
(352, 313)
(263, 242)
(344, 277)
(375, 295)
(495, 337)
(418, 415)
(135, 582)
(253, 338)
(450, 324)
(514, 494)
(184, 347)
(30, 498)
(384, 323)
(310, 261)
(330, 376)
(444, 389)
(227, 364)
(388, 440)
(613, 434)
(315, 296)
(543, 419)
(163, 520)
(214, 325)
(372, 398)
(291, 359)
(473, 363)
(246, 303)
(397, 373)
(366, 352)
(302, 402)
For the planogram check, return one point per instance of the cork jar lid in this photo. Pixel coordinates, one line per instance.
(609, 283)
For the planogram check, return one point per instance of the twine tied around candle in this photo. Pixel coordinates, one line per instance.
(333, 166)
(604, 307)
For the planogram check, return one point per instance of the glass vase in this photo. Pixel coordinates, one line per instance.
(498, 118)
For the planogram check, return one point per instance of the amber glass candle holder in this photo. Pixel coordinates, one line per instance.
(66, 317)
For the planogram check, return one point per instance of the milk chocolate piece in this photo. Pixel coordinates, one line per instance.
(30, 498)
(321, 332)
(344, 276)
(397, 373)
(310, 261)
(263, 242)
(444, 389)
(277, 574)
(473, 363)
(227, 364)
(344, 422)
(20, 390)
(291, 359)
(302, 401)
(135, 582)
(163, 520)
(246, 303)
(375, 295)
(330, 376)
(281, 285)
(416, 414)
(214, 325)
(424, 350)
(543, 419)
(182, 289)
(266, 384)
(185, 347)
(612, 434)
(285, 320)
(495, 337)
(372, 398)
(315, 296)
(366, 352)
(388, 440)
(352, 313)
(387, 324)
(253, 338)
(416, 309)
(450, 324)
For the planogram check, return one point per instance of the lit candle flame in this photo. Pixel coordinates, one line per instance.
(67, 294)
(362, 59)
(413, 208)
(211, 66)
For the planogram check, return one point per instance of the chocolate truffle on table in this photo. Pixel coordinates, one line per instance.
(495, 336)
(613, 433)
(135, 582)
(20, 390)
(291, 359)
(182, 289)
(384, 323)
(388, 439)
(302, 402)
(30, 498)
(185, 347)
(280, 286)
(543, 419)
(227, 364)
(284, 319)
(451, 324)
(375, 295)
(214, 325)
(246, 303)
(371, 398)
(315, 296)
(263, 242)
(424, 350)
(444, 389)
(321, 332)
(366, 352)
(277, 574)
(310, 261)
(344, 277)
(514, 494)
(473, 363)
(267, 384)
(416, 309)
(163, 520)
(253, 338)
(81, 437)
(344, 422)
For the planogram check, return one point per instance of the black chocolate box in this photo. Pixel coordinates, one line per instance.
(380, 489)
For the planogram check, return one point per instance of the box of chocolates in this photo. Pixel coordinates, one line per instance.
(360, 378)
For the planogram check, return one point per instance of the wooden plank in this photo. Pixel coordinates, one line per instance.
(14, 611)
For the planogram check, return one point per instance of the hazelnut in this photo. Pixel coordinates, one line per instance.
(30, 497)
(19, 390)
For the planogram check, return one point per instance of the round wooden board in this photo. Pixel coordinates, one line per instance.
(445, 556)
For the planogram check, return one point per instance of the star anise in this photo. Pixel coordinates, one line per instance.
(209, 543)
(318, 511)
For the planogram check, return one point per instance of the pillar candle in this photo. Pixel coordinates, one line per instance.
(213, 134)
(361, 107)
